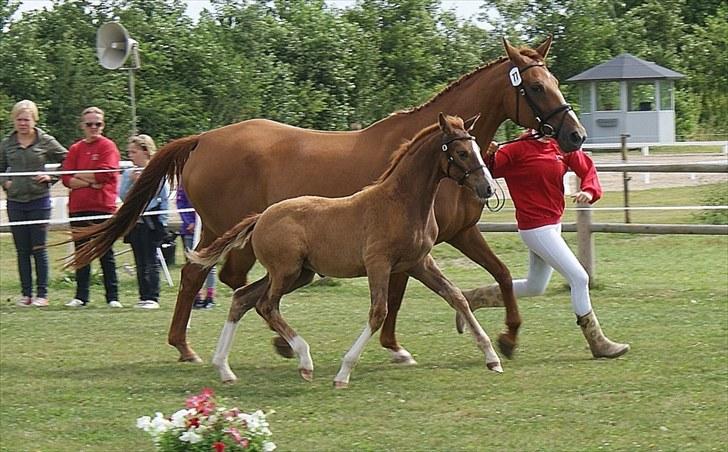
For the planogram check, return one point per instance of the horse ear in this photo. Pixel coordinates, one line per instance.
(513, 54)
(470, 123)
(543, 49)
(444, 125)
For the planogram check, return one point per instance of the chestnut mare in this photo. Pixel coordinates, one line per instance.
(386, 228)
(234, 171)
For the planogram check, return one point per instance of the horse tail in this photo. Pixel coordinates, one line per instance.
(167, 162)
(236, 237)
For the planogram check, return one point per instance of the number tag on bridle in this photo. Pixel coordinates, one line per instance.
(515, 77)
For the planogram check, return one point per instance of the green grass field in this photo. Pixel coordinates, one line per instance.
(76, 380)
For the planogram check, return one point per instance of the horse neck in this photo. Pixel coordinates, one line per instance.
(483, 91)
(415, 177)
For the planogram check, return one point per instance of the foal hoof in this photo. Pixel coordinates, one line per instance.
(194, 358)
(459, 323)
(340, 384)
(506, 345)
(495, 367)
(306, 374)
(282, 347)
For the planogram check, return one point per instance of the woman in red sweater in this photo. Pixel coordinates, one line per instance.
(93, 194)
(534, 172)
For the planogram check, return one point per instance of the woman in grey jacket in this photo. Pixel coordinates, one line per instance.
(27, 148)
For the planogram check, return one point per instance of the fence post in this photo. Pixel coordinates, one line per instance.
(625, 177)
(585, 238)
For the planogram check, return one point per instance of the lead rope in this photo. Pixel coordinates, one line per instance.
(500, 199)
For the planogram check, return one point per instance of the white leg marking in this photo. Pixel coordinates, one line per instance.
(302, 350)
(402, 357)
(351, 358)
(220, 360)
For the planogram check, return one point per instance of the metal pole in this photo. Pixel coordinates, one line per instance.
(132, 100)
(625, 177)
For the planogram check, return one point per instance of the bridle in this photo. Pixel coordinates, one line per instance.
(544, 127)
(451, 161)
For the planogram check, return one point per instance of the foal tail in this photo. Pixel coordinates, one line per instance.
(236, 237)
(168, 161)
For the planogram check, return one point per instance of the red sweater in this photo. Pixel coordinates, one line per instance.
(99, 154)
(534, 173)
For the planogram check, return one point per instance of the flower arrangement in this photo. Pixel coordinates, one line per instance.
(204, 426)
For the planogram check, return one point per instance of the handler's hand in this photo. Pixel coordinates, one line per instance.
(492, 148)
(582, 196)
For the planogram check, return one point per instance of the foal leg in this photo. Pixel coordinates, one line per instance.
(388, 339)
(378, 276)
(430, 275)
(281, 346)
(472, 244)
(268, 308)
(244, 299)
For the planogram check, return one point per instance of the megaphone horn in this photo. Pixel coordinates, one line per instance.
(113, 46)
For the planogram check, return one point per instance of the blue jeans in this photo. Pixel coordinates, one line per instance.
(108, 264)
(211, 280)
(144, 242)
(30, 240)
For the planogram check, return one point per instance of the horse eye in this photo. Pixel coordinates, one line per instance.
(537, 89)
(463, 155)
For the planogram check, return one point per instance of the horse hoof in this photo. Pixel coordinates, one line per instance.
(282, 348)
(190, 359)
(495, 367)
(459, 323)
(403, 358)
(340, 384)
(506, 345)
(306, 374)
(229, 382)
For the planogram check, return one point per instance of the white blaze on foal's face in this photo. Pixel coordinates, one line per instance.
(488, 176)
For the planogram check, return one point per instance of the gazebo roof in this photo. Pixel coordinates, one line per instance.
(625, 67)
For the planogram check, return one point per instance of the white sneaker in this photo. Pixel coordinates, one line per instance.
(75, 303)
(115, 304)
(24, 302)
(147, 304)
(40, 302)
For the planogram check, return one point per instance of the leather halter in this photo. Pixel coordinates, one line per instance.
(544, 127)
(451, 161)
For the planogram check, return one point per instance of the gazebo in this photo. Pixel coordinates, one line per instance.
(628, 95)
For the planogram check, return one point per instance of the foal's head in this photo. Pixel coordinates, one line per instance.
(464, 163)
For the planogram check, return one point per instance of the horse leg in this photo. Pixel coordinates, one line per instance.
(193, 276)
(430, 275)
(268, 308)
(280, 345)
(234, 271)
(473, 245)
(388, 338)
(244, 299)
(378, 275)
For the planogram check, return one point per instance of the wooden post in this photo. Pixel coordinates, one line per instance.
(625, 177)
(585, 238)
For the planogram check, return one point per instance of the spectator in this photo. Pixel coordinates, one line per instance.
(149, 231)
(28, 148)
(187, 232)
(93, 194)
(534, 170)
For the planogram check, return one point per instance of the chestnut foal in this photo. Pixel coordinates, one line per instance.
(387, 228)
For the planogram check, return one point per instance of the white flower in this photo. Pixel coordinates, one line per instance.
(179, 419)
(190, 437)
(269, 446)
(159, 425)
(144, 423)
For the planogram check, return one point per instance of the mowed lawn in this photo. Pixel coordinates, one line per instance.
(76, 380)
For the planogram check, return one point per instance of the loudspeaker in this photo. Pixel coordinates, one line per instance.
(114, 45)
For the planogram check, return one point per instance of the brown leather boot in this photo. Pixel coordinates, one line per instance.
(600, 346)
(484, 297)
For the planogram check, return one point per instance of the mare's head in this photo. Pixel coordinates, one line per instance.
(537, 101)
(463, 162)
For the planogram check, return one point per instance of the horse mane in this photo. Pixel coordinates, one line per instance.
(525, 51)
(410, 145)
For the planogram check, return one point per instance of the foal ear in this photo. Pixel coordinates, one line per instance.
(470, 123)
(444, 124)
(543, 49)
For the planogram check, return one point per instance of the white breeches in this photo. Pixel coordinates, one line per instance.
(549, 251)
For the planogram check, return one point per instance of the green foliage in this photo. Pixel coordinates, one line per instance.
(717, 196)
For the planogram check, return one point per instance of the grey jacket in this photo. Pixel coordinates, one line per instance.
(14, 158)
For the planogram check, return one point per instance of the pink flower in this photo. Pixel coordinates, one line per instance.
(203, 403)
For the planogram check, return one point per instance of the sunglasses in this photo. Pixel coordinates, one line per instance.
(94, 124)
